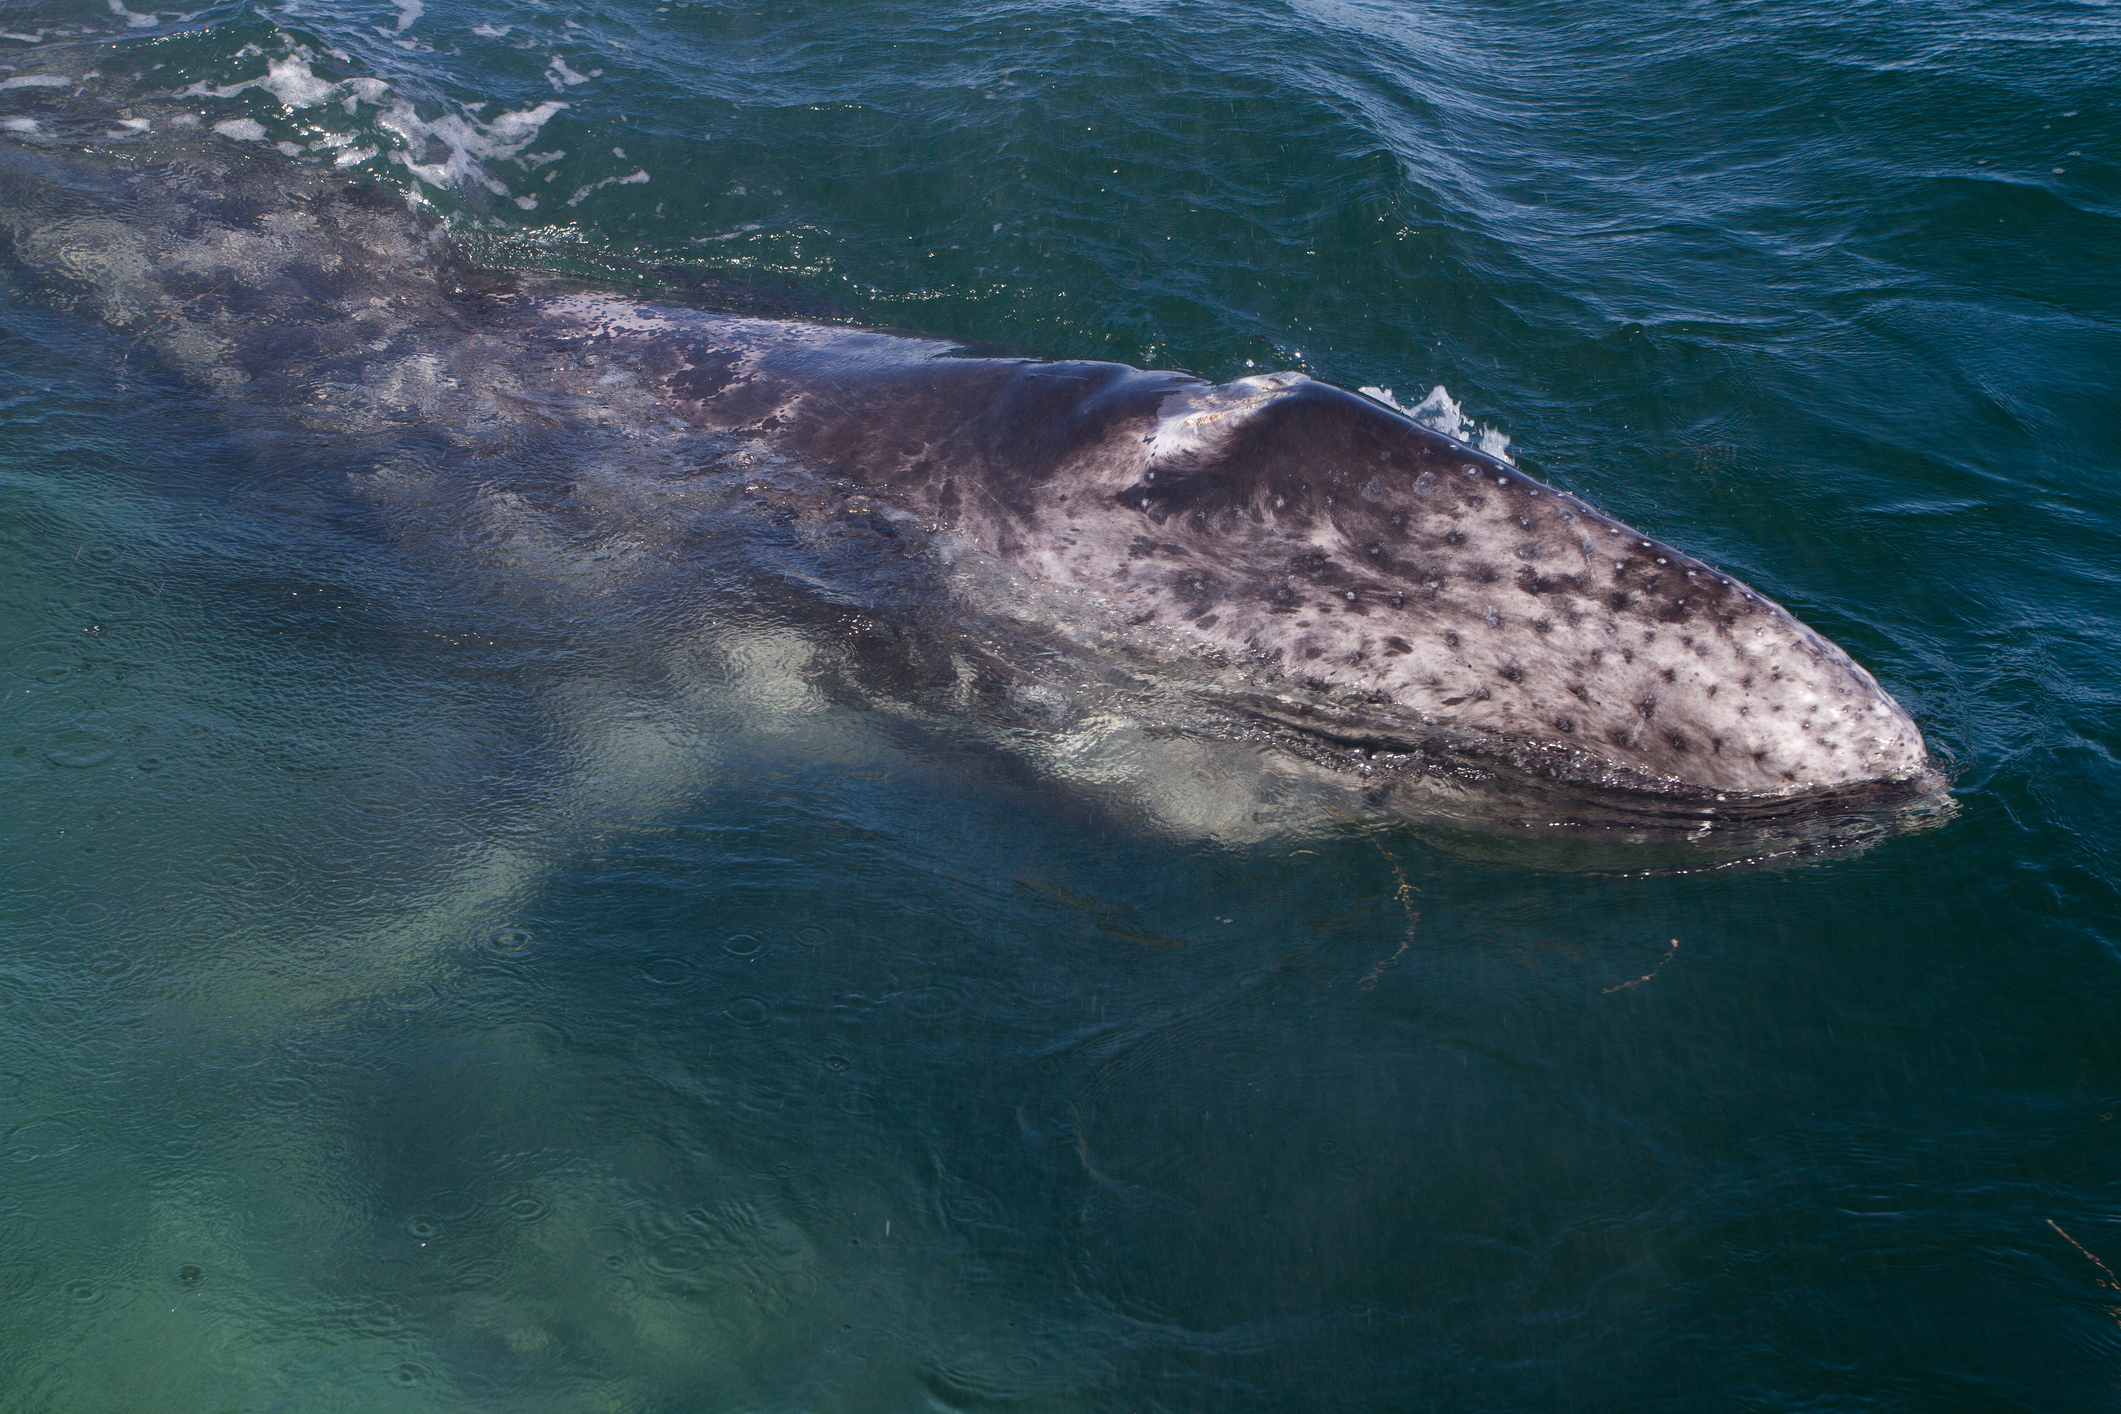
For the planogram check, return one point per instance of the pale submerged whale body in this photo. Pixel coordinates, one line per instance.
(1271, 565)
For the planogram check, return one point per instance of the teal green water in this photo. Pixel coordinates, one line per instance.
(413, 996)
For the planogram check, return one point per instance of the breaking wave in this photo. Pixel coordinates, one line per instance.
(1442, 412)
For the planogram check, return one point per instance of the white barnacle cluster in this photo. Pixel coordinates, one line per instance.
(1192, 423)
(604, 314)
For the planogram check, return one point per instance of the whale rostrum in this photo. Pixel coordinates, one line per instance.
(1298, 557)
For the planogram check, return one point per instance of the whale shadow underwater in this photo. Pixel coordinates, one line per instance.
(1231, 610)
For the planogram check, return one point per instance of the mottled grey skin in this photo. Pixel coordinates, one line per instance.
(1389, 580)
(1322, 561)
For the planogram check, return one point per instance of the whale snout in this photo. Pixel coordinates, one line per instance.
(1818, 721)
(1357, 550)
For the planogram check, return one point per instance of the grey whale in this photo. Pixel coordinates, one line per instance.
(1303, 569)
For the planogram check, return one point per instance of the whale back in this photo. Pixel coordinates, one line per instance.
(1382, 581)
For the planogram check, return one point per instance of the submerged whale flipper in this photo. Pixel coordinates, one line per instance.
(1295, 568)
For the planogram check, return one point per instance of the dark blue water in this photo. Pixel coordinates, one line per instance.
(427, 982)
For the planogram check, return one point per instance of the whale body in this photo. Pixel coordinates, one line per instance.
(1373, 566)
(1307, 564)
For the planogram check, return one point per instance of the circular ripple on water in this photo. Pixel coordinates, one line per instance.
(811, 936)
(87, 915)
(84, 1292)
(666, 971)
(744, 945)
(40, 1139)
(48, 662)
(408, 1374)
(425, 1226)
(79, 749)
(476, 1273)
(413, 996)
(747, 1011)
(511, 942)
(527, 1208)
(858, 1104)
(452, 1205)
(678, 1252)
(968, 1208)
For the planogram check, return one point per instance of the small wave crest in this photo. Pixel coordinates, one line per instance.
(454, 151)
(255, 81)
(1443, 413)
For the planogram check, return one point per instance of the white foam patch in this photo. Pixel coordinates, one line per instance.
(36, 81)
(19, 125)
(583, 194)
(133, 18)
(290, 80)
(242, 129)
(469, 142)
(563, 78)
(1443, 413)
(466, 143)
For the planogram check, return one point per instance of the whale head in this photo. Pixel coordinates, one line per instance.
(1403, 584)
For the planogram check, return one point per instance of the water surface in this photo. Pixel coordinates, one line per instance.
(426, 984)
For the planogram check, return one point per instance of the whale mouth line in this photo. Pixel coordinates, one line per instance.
(1379, 731)
(1474, 790)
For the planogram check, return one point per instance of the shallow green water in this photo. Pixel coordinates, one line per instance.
(416, 995)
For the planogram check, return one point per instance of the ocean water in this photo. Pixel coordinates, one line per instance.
(428, 983)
